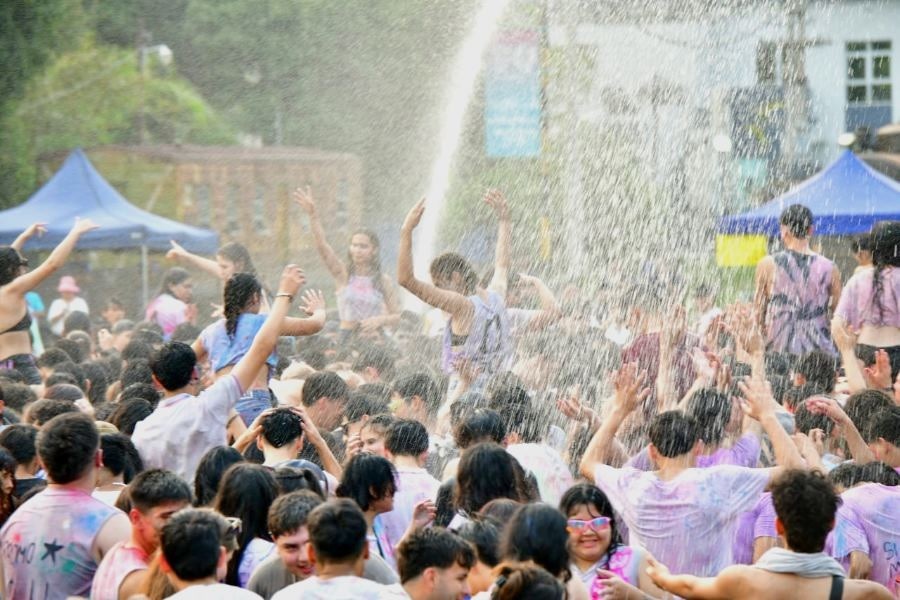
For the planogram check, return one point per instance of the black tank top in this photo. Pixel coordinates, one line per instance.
(23, 325)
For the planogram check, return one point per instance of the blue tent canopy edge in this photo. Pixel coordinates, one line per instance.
(78, 190)
(847, 197)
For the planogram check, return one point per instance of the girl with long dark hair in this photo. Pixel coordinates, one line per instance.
(598, 556)
(870, 302)
(226, 341)
(16, 351)
(173, 304)
(366, 299)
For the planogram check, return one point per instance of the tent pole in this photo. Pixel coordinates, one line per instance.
(145, 275)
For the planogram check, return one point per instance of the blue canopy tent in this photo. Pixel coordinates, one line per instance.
(78, 190)
(846, 198)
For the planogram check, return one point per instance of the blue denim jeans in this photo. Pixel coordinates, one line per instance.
(252, 403)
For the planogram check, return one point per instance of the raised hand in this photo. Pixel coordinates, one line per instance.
(496, 200)
(843, 335)
(176, 251)
(82, 226)
(313, 300)
(304, 197)
(423, 514)
(292, 279)
(38, 229)
(659, 573)
(414, 216)
(630, 389)
(758, 400)
(823, 405)
(879, 374)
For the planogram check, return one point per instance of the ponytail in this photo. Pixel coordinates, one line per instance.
(239, 292)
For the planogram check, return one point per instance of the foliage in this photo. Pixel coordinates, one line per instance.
(96, 95)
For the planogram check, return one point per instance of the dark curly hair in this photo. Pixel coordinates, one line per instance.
(806, 504)
(375, 266)
(367, 478)
(486, 471)
(586, 494)
(885, 243)
(10, 261)
(240, 290)
(239, 255)
(537, 532)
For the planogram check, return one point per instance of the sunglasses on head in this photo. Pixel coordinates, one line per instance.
(598, 524)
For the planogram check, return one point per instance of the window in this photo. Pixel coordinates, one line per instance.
(869, 72)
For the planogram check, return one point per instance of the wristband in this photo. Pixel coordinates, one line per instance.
(290, 297)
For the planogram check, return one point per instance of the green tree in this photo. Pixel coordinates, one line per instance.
(95, 95)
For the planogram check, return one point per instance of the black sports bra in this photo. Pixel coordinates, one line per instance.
(23, 325)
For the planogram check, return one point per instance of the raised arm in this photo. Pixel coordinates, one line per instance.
(725, 585)
(178, 253)
(496, 200)
(765, 274)
(629, 394)
(759, 404)
(845, 339)
(338, 270)
(822, 405)
(246, 369)
(30, 280)
(550, 311)
(38, 229)
(314, 306)
(454, 303)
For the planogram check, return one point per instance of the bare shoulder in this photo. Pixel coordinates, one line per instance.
(858, 589)
(740, 581)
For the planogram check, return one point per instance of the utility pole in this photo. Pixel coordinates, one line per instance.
(794, 84)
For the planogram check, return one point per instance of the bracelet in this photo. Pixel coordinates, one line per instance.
(290, 297)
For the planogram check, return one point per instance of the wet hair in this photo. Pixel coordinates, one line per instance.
(8, 464)
(484, 537)
(378, 358)
(862, 407)
(379, 389)
(324, 384)
(60, 378)
(209, 473)
(10, 261)
(805, 503)
(281, 427)
(98, 377)
(586, 494)
(72, 369)
(238, 254)
(711, 411)
(52, 357)
(246, 491)
(129, 413)
(483, 425)
(375, 265)
(240, 290)
(155, 487)
(173, 365)
(885, 425)
(486, 471)
(185, 332)
(191, 543)
(673, 433)
(432, 547)
(514, 403)
(367, 478)
(337, 531)
(423, 386)
(885, 241)
(63, 391)
(291, 511)
(362, 404)
(849, 474)
(67, 445)
(798, 219)
(406, 437)
(140, 391)
(293, 479)
(137, 371)
(819, 369)
(17, 395)
(797, 395)
(120, 456)
(524, 581)
(448, 263)
(805, 421)
(20, 439)
(70, 347)
(499, 511)
(137, 350)
(538, 532)
(78, 321)
(42, 411)
(380, 423)
(861, 244)
(174, 276)
(11, 376)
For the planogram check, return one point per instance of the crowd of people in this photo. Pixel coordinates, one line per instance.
(511, 443)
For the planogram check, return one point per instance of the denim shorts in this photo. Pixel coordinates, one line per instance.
(252, 403)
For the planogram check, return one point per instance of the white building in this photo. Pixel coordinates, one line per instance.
(708, 55)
